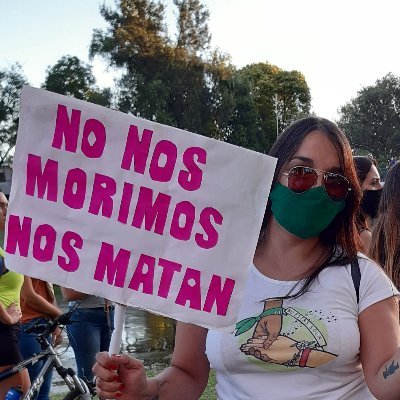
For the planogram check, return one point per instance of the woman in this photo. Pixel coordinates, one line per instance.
(38, 306)
(369, 178)
(385, 244)
(90, 331)
(300, 331)
(10, 314)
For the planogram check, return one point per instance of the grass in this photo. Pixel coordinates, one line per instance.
(209, 393)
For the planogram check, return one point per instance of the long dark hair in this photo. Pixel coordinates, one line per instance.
(385, 243)
(363, 165)
(340, 238)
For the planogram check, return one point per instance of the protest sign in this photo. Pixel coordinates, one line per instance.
(134, 211)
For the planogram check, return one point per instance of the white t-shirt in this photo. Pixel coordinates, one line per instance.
(316, 353)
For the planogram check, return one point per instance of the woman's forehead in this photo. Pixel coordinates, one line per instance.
(317, 150)
(373, 173)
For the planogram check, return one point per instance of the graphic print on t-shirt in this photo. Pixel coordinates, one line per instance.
(288, 337)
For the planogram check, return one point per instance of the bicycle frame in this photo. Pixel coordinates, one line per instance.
(53, 361)
(77, 387)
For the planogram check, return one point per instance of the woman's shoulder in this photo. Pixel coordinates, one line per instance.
(375, 285)
(368, 267)
(367, 263)
(369, 270)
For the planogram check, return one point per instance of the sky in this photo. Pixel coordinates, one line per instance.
(339, 46)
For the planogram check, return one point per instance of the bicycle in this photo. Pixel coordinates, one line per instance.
(78, 389)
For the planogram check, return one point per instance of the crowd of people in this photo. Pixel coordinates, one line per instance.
(319, 317)
(26, 301)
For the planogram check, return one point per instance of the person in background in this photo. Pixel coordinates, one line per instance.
(369, 178)
(10, 314)
(90, 330)
(302, 332)
(385, 244)
(38, 306)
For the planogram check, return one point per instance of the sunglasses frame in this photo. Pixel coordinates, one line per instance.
(319, 172)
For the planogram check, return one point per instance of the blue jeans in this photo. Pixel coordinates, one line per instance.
(89, 333)
(30, 346)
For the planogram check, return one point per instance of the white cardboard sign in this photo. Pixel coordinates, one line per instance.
(134, 211)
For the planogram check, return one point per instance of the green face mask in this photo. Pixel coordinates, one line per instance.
(306, 214)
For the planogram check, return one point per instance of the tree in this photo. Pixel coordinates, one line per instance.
(279, 96)
(180, 83)
(72, 77)
(245, 126)
(11, 83)
(185, 83)
(372, 119)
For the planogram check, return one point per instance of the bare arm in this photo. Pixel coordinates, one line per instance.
(4, 317)
(36, 301)
(186, 379)
(380, 348)
(10, 315)
(72, 295)
(189, 369)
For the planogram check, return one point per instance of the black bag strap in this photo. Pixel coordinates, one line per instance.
(356, 276)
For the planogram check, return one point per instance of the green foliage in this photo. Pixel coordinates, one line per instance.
(279, 97)
(136, 36)
(186, 84)
(209, 392)
(245, 126)
(372, 119)
(72, 77)
(11, 83)
(180, 83)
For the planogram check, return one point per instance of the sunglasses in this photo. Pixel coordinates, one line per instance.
(301, 179)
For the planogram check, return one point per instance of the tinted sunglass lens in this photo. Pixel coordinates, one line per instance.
(336, 186)
(301, 179)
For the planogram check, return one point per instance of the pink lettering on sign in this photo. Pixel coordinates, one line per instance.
(67, 129)
(151, 213)
(186, 211)
(143, 275)
(169, 269)
(191, 179)
(93, 131)
(136, 149)
(125, 203)
(104, 188)
(205, 221)
(75, 188)
(190, 290)
(163, 173)
(44, 180)
(44, 242)
(163, 160)
(115, 267)
(18, 235)
(219, 295)
(144, 280)
(70, 242)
